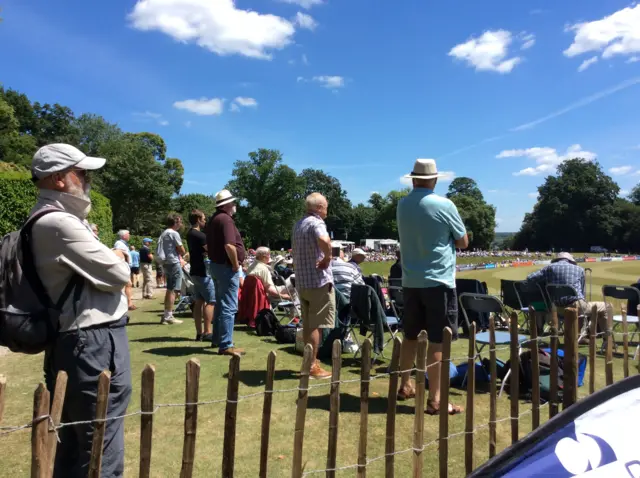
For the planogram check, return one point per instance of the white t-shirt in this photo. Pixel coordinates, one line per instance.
(170, 240)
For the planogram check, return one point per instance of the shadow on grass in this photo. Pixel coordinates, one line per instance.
(131, 324)
(180, 351)
(351, 403)
(256, 378)
(151, 340)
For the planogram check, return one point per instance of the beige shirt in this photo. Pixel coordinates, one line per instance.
(64, 245)
(262, 271)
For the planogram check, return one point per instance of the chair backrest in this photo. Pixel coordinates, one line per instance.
(561, 294)
(479, 303)
(620, 292)
(509, 294)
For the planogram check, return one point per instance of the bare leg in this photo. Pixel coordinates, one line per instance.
(128, 291)
(197, 315)
(434, 355)
(208, 317)
(407, 359)
(169, 299)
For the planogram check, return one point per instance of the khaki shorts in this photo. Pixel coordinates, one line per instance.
(318, 307)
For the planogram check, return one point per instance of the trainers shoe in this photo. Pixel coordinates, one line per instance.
(318, 372)
(231, 351)
(207, 337)
(198, 337)
(170, 321)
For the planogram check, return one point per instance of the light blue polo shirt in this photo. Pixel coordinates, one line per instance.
(428, 225)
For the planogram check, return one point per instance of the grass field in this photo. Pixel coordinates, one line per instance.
(169, 348)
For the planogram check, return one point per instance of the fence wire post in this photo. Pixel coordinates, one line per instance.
(418, 421)
(625, 342)
(535, 368)
(471, 390)
(514, 377)
(365, 376)
(444, 402)
(190, 418)
(553, 385)
(592, 349)
(3, 388)
(266, 413)
(39, 432)
(146, 419)
(493, 389)
(334, 411)
(609, 346)
(392, 400)
(57, 403)
(95, 464)
(301, 411)
(230, 417)
(570, 377)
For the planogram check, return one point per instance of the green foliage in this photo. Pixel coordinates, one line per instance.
(478, 216)
(94, 131)
(19, 195)
(464, 187)
(634, 197)
(316, 180)
(271, 197)
(185, 203)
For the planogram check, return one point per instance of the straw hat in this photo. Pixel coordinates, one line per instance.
(224, 197)
(564, 256)
(424, 169)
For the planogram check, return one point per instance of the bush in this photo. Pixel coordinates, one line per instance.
(18, 195)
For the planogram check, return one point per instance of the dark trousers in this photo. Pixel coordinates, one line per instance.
(84, 355)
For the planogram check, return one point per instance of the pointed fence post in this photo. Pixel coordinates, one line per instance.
(95, 463)
(444, 403)
(365, 376)
(608, 366)
(230, 418)
(190, 418)
(535, 376)
(418, 421)
(553, 379)
(493, 388)
(39, 433)
(334, 411)
(570, 372)
(625, 343)
(3, 388)
(57, 404)
(471, 390)
(146, 419)
(514, 377)
(592, 350)
(266, 413)
(392, 400)
(301, 411)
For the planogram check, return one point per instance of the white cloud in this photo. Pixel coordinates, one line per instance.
(533, 195)
(547, 159)
(616, 34)
(328, 81)
(587, 63)
(305, 60)
(493, 191)
(489, 52)
(633, 59)
(300, 79)
(147, 114)
(202, 107)
(447, 177)
(292, 62)
(304, 3)
(246, 102)
(163, 123)
(528, 40)
(216, 25)
(620, 170)
(305, 21)
(234, 108)
(187, 124)
(624, 193)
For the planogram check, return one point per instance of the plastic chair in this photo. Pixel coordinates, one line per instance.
(622, 293)
(488, 304)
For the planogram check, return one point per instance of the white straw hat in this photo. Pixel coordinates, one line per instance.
(424, 169)
(224, 197)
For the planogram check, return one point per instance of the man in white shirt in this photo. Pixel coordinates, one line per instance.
(122, 244)
(171, 244)
(92, 335)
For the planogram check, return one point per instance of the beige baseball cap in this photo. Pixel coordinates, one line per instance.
(57, 157)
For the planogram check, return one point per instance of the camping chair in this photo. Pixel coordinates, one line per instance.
(623, 293)
(534, 299)
(556, 294)
(396, 298)
(511, 299)
(289, 307)
(487, 304)
(474, 286)
(186, 294)
(362, 317)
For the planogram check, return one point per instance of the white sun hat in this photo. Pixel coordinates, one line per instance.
(224, 197)
(424, 169)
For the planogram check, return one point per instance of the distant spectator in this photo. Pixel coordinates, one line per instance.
(345, 274)
(135, 266)
(171, 244)
(396, 269)
(260, 268)
(122, 244)
(205, 293)
(146, 261)
(358, 256)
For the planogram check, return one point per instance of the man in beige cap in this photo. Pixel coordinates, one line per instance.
(430, 229)
(92, 335)
(358, 256)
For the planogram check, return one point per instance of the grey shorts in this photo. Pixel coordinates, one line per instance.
(173, 273)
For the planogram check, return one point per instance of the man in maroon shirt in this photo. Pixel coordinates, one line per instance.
(226, 253)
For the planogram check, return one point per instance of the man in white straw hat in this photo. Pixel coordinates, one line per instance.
(430, 229)
(226, 253)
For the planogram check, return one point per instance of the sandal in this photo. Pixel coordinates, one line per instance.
(404, 395)
(433, 408)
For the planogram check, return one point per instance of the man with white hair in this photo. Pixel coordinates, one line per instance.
(358, 256)
(314, 281)
(122, 244)
(345, 274)
(91, 327)
(260, 269)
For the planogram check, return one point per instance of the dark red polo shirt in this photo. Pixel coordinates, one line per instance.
(220, 230)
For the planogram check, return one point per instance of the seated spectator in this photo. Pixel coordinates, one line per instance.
(358, 256)
(345, 274)
(396, 268)
(260, 268)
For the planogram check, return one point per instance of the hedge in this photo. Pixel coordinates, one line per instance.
(18, 195)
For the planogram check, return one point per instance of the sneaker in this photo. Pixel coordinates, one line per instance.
(198, 337)
(318, 372)
(232, 351)
(170, 320)
(207, 337)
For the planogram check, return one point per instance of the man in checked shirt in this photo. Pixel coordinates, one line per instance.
(563, 270)
(314, 281)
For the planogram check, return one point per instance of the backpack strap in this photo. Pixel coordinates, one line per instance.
(29, 268)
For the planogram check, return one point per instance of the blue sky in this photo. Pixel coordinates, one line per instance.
(499, 91)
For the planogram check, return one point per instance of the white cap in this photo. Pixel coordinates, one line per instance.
(358, 252)
(54, 158)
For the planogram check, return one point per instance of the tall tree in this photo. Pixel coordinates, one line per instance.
(23, 110)
(385, 226)
(185, 203)
(634, 196)
(270, 197)
(478, 216)
(94, 131)
(464, 187)
(575, 210)
(54, 124)
(175, 170)
(362, 220)
(316, 180)
(15, 147)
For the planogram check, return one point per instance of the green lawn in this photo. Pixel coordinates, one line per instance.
(169, 348)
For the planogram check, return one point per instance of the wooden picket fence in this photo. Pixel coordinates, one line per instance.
(46, 417)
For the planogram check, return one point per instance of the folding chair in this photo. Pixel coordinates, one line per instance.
(488, 304)
(511, 299)
(623, 293)
(533, 298)
(558, 294)
(396, 298)
(361, 318)
(186, 294)
(283, 305)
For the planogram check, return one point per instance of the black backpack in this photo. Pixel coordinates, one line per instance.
(266, 323)
(28, 317)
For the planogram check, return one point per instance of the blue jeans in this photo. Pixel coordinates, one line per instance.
(226, 284)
